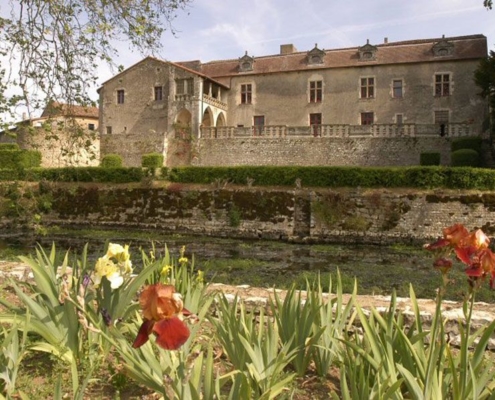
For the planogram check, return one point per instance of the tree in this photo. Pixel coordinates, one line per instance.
(51, 49)
(488, 4)
(484, 77)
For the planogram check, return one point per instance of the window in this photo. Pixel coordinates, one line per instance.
(91, 127)
(442, 85)
(109, 130)
(120, 96)
(367, 118)
(246, 94)
(185, 86)
(367, 88)
(315, 123)
(399, 119)
(259, 123)
(397, 88)
(315, 91)
(158, 93)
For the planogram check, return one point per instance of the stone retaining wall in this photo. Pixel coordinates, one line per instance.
(360, 151)
(374, 216)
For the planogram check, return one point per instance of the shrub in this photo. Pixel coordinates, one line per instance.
(152, 160)
(429, 159)
(30, 158)
(9, 146)
(111, 161)
(9, 158)
(470, 142)
(465, 158)
(85, 174)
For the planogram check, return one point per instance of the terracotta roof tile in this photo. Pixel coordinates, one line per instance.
(413, 51)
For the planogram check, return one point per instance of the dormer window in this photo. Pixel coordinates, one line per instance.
(443, 48)
(246, 63)
(315, 56)
(367, 52)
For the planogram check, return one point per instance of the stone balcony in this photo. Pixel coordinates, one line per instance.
(338, 131)
(214, 102)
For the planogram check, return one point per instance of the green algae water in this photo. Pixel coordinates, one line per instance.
(379, 270)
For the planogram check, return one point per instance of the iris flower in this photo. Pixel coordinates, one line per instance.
(163, 312)
(471, 248)
(115, 265)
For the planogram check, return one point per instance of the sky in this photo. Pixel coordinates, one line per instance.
(225, 29)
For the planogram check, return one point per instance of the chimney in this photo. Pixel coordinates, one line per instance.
(385, 40)
(287, 49)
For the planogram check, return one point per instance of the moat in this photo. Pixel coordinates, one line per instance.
(265, 263)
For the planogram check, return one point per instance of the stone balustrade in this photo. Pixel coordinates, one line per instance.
(336, 130)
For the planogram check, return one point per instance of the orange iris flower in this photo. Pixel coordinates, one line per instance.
(162, 311)
(470, 247)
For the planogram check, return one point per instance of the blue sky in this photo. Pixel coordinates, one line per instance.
(225, 29)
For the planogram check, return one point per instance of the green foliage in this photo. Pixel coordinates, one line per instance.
(30, 158)
(75, 37)
(12, 351)
(465, 158)
(84, 174)
(429, 159)
(9, 146)
(397, 361)
(111, 161)
(152, 160)
(470, 142)
(252, 345)
(234, 216)
(9, 158)
(299, 325)
(425, 177)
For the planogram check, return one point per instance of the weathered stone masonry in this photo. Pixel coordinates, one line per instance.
(313, 215)
(362, 151)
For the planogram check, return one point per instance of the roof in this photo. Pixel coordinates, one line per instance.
(413, 51)
(189, 66)
(54, 109)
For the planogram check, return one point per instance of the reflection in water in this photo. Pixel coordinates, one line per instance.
(378, 269)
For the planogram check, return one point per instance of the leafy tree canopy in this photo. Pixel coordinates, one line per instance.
(51, 49)
(484, 77)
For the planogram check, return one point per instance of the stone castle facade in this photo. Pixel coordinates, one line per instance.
(378, 105)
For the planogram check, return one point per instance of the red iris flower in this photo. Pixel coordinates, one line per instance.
(162, 311)
(470, 247)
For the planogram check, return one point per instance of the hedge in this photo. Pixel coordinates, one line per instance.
(9, 146)
(425, 177)
(111, 161)
(465, 158)
(15, 158)
(85, 174)
(429, 158)
(152, 160)
(469, 142)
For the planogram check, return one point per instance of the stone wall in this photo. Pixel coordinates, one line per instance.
(132, 147)
(362, 151)
(372, 216)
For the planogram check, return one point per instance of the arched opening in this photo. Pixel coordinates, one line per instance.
(207, 118)
(182, 125)
(221, 120)
(184, 117)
